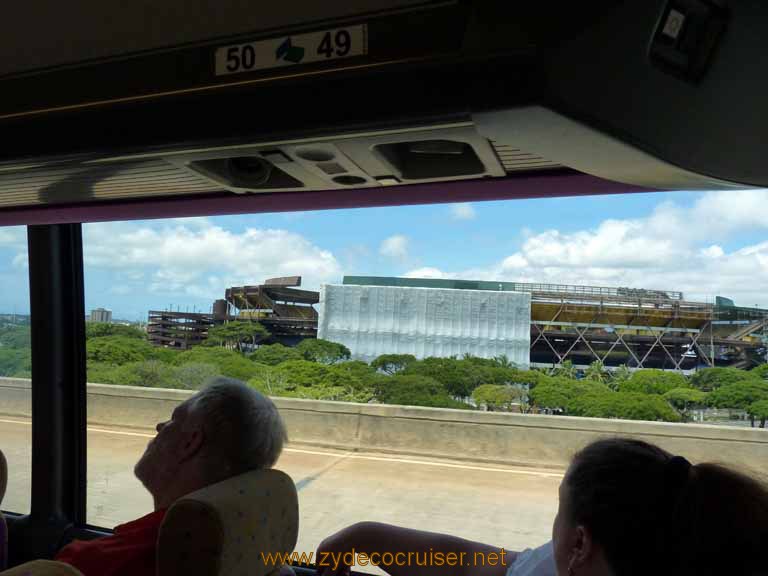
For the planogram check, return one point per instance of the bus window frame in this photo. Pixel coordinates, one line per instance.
(59, 448)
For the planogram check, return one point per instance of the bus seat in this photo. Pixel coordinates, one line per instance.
(3, 526)
(42, 568)
(3, 475)
(226, 528)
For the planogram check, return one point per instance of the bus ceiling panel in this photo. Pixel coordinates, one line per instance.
(87, 30)
(151, 76)
(78, 183)
(541, 184)
(231, 56)
(437, 153)
(684, 80)
(346, 102)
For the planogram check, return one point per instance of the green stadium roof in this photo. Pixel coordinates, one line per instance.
(432, 283)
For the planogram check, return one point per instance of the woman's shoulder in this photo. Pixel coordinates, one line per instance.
(534, 562)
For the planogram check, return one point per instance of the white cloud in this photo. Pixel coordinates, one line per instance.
(670, 249)
(13, 237)
(463, 211)
(184, 257)
(395, 247)
(21, 261)
(515, 262)
(713, 251)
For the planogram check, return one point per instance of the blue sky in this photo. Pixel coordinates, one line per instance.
(703, 244)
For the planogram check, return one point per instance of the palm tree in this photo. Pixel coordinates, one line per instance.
(564, 370)
(504, 362)
(595, 372)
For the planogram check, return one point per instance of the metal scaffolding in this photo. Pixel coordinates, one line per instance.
(285, 311)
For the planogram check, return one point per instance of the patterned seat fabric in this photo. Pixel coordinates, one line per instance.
(37, 567)
(224, 529)
(42, 568)
(3, 526)
(3, 475)
(228, 528)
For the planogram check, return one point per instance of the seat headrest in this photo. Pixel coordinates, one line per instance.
(42, 568)
(224, 528)
(3, 475)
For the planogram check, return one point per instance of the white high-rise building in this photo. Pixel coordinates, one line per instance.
(101, 315)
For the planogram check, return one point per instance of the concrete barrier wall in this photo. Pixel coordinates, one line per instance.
(490, 437)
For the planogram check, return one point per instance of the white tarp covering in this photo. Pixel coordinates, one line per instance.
(375, 320)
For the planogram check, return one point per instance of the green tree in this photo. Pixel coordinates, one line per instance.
(228, 362)
(619, 376)
(237, 334)
(357, 368)
(553, 393)
(323, 351)
(307, 373)
(167, 355)
(194, 375)
(503, 361)
(758, 411)
(623, 405)
(415, 390)
(459, 377)
(760, 371)
(16, 337)
(515, 377)
(652, 381)
(149, 373)
(497, 397)
(393, 363)
(739, 395)
(274, 354)
(270, 381)
(118, 350)
(709, 379)
(15, 362)
(565, 369)
(556, 393)
(305, 379)
(596, 372)
(101, 373)
(686, 399)
(326, 382)
(101, 329)
(472, 360)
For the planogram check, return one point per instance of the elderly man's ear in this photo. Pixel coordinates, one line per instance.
(193, 443)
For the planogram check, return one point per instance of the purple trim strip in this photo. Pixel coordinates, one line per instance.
(549, 185)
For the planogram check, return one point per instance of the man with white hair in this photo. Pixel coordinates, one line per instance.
(224, 430)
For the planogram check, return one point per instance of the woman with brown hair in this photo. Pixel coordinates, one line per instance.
(627, 508)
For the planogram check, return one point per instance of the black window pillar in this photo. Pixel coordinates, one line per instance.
(58, 392)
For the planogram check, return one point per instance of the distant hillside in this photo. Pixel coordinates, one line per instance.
(21, 319)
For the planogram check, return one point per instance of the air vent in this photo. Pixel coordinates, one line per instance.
(245, 172)
(426, 159)
(517, 160)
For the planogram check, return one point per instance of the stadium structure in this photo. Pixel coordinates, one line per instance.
(640, 328)
(636, 327)
(372, 320)
(279, 305)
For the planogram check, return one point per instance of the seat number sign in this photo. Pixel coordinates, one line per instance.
(309, 48)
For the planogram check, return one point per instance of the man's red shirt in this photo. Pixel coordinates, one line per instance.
(130, 551)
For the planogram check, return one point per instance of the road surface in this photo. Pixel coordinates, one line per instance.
(504, 506)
